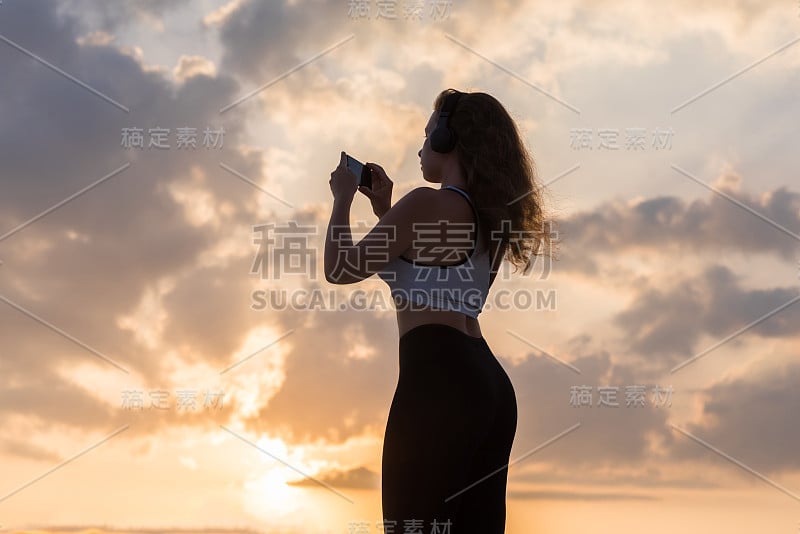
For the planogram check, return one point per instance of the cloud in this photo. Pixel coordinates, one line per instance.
(100, 14)
(357, 478)
(262, 39)
(189, 66)
(44, 395)
(92, 262)
(639, 476)
(609, 439)
(311, 406)
(31, 451)
(752, 418)
(539, 495)
(671, 320)
(671, 226)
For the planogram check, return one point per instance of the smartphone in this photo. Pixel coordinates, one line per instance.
(362, 172)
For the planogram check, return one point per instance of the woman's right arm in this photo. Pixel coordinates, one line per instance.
(347, 262)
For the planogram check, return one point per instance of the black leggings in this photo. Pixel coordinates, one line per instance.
(451, 424)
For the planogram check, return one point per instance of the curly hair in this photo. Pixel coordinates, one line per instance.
(501, 177)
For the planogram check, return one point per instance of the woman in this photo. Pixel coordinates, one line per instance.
(453, 417)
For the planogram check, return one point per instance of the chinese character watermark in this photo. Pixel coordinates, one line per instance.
(447, 252)
(634, 396)
(393, 9)
(185, 399)
(185, 138)
(409, 526)
(287, 249)
(608, 139)
(292, 255)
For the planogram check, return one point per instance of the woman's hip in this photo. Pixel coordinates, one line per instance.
(442, 351)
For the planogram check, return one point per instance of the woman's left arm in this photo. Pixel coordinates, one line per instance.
(338, 239)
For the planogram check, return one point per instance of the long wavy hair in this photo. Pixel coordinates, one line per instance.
(501, 177)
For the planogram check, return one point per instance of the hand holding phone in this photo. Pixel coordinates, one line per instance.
(363, 173)
(380, 194)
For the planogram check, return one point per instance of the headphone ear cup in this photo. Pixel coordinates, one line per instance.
(443, 140)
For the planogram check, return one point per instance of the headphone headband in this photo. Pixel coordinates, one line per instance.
(450, 103)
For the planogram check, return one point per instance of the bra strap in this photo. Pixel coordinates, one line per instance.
(474, 211)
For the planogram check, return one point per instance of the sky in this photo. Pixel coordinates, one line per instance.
(147, 381)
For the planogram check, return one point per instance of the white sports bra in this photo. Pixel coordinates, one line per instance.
(461, 287)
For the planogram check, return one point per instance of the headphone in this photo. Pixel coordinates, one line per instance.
(443, 138)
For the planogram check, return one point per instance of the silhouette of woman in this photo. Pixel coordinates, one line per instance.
(453, 416)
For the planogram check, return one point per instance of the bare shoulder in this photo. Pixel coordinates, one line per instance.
(430, 197)
(412, 207)
(419, 202)
(422, 193)
(428, 204)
